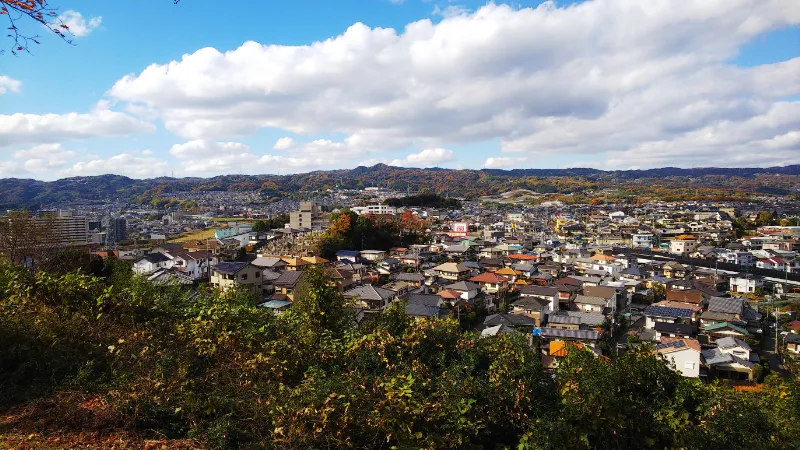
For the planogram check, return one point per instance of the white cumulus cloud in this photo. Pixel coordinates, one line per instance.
(8, 84)
(427, 158)
(122, 164)
(44, 157)
(77, 24)
(22, 128)
(617, 78)
(505, 162)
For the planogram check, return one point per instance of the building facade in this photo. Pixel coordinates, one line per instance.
(308, 216)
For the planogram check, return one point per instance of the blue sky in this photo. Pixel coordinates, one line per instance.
(607, 84)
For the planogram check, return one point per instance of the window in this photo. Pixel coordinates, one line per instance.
(688, 365)
(244, 276)
(258, 274)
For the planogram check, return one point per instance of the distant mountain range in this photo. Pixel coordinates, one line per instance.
(28, 193)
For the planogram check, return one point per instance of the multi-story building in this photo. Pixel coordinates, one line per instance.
(642, 240)
(683, 244)
(116, 230)
(738, 257)
(308, 216)
(746, 283)
(68, 228)
(226, 275)
(374, 209)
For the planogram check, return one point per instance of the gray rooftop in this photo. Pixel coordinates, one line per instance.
(369, 292)
(570, 334)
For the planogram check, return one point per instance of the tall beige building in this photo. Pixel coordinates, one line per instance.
(72, 230)
(64, 228)
(308, 216)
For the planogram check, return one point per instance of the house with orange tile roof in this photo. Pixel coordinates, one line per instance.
(491, 283)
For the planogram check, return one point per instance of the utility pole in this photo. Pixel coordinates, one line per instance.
(777, 314)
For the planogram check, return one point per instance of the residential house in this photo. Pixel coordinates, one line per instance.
(517, 321)
(564, 322)
(373, 255)
(193, 264)
(589, 304)
(731, 359)
(348, 256)
(673, 269)
(295, 264)
(536, 308)
(226, 275)
(286, 285)
(654, 314)
(401, 288)
(733, 310)
(425, 306)
(683, 244)
(771, 263)
(272, 263)
(616, 296)
(388, 266)
(689, 296)
(683, 354)
(746, 283)
(371, 299)
(674, 330)
(268, 278)
(452, 271)
(587, 337)
(557, 349)
(491, 283)
(413, 279)
(792, 341)
(722, 330)
(549, 294)
(341, 278)
(151, 262)
(467, 290)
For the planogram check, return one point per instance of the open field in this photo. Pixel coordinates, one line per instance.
(199, 235)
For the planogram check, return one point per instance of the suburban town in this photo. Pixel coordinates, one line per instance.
(400, 225)
(680, 276)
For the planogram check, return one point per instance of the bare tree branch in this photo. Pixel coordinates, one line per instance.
(37, 10)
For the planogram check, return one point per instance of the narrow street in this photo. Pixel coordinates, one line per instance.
(772, 357)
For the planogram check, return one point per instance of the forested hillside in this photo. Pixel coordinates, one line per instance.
(710, 182)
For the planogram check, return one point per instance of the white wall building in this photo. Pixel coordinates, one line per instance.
(643, 240)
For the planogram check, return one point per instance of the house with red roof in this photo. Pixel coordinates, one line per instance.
(491, 283)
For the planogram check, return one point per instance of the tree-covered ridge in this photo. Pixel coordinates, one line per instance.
(709, 183)
(114, 353)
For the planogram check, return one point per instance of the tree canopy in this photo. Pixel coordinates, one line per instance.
(114, 353)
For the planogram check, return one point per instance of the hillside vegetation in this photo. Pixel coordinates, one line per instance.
(666, 183)
(110, 357)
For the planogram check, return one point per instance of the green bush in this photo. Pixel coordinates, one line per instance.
(211, 366)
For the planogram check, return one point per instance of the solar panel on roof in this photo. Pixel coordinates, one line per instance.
(666, 311)
(230, 267)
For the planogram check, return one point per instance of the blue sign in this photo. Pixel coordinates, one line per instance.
(537, 331)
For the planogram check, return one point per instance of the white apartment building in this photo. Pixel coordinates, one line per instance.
(374, 209)
(682, 245)
(643, 240)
